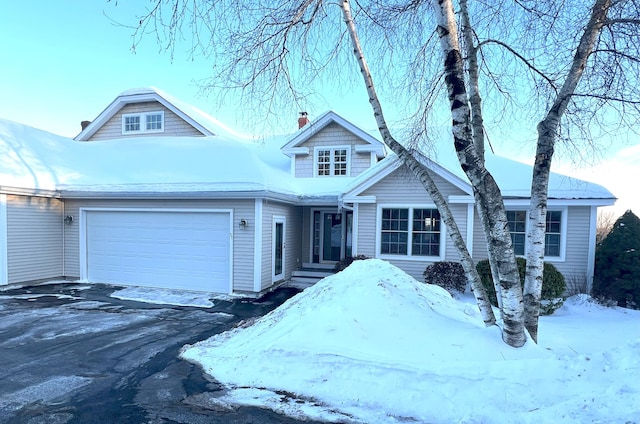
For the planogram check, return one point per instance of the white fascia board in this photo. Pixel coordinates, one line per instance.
(562, 202)
(460, 199)
(365, 148)
(29, 191)
(359, 199)
(293, 151)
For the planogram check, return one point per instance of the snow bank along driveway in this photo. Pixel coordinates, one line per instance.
(373, 345)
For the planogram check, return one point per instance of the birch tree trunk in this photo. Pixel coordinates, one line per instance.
(421, 173)
(547, 131)
(475, 103)
(487, 194)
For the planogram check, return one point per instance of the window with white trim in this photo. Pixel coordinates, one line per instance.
(418, 236)
(333, 161)
(147, 122)
(553, 233)
(518, 229)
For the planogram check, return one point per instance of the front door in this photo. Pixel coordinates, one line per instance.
(332, 236)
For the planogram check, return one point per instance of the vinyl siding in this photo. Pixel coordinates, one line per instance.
(577, 249)
(173, 124)
(243, 244)
(332, 135)
(293, 241)
(401, 188)
(575, 263)
(34, 238)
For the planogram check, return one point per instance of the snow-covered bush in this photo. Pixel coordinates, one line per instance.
(448, 275)
(617, 273)
(553, 285)
(345, 262)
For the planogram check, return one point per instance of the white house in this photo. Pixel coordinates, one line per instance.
(154, 192)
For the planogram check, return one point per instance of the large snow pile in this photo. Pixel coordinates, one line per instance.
(371, 344)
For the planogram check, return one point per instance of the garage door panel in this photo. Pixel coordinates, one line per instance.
(185, 250)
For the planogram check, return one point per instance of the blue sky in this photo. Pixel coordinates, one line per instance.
(65, 61)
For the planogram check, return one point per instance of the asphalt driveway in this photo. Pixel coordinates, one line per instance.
(70, 353)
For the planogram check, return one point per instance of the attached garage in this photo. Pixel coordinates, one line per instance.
(176, 249)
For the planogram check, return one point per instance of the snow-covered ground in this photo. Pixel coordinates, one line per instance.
(373, 345)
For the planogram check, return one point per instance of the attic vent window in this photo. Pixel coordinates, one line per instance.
(147, 122)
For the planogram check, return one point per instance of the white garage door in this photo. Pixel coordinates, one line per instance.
(178, 250)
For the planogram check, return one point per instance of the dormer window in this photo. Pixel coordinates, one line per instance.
(147, 122)
(332, 161)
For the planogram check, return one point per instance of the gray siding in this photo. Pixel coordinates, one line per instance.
(34, 238)
(173, 124)
(293, 241)
(575, 263)
(401, 188)
(243, 240)
(332, 135)
(576, 257)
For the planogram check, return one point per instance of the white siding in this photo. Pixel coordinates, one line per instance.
(173, 124)
(293, 239)
(243, 245)
(34, 238)
(332, 135)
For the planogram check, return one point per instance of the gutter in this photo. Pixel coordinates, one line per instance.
(30, 191)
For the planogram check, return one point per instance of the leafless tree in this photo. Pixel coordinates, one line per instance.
(576, 64)
(604, 224)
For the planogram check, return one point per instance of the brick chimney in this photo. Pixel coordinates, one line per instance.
(84, 124)
(302, 120)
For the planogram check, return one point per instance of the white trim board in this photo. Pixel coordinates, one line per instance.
(4, 266)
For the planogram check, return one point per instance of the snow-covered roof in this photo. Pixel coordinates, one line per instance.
(31, 159)
(513, 177)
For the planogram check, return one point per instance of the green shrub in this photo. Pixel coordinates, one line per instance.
(553, 284)
(617, 272)
(448, 275)
(345, 262)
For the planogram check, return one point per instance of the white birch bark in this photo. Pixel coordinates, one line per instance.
(547, 131)
(489, 201)
(420, 172)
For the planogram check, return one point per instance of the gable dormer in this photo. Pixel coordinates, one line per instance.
(332, 147)
(150, 112)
